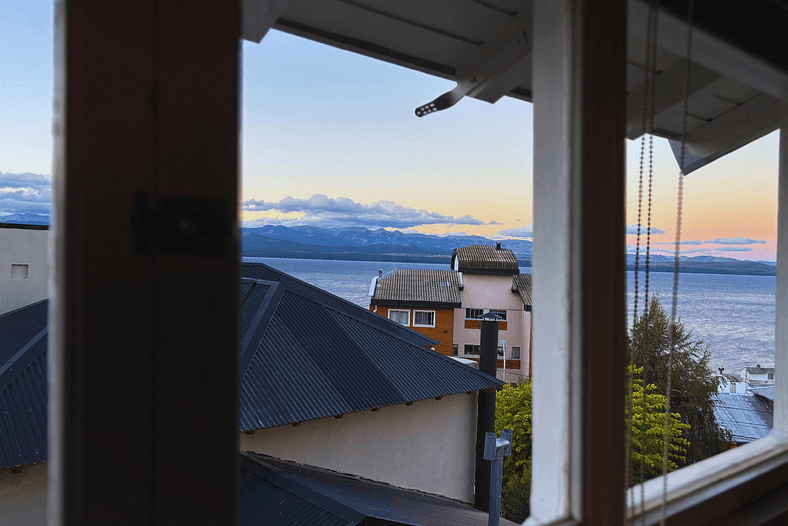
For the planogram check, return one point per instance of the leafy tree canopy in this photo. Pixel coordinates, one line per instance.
(692, 381)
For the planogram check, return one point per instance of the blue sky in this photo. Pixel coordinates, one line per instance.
(329, 138)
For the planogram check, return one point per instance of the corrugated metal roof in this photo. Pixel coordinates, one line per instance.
(747, 417)
(19, 326)
(485, 259)
(760, 370)
(319, 357)
(764, 392)
(23, 387)
(353, 498)
(438, 287)
(521, 283)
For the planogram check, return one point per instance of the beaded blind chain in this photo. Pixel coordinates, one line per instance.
(674, 302)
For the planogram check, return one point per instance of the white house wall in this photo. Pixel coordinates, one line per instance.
(22, 247)
(484, 291)
(428, 446)
(23, 497)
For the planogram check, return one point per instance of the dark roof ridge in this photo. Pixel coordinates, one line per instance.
(23, 308)
(22, 359)
(262, 317)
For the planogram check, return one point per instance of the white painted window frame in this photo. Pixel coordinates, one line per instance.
(557, 353)
(407, 311)
(471, 308)
(416, 311)
(497, 311)
(473, 345)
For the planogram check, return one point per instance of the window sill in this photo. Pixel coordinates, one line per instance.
(425, 326)
(717, 487)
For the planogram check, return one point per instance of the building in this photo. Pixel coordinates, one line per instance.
(757, 375)
(147, 132)
(24, 266)
(447, 305)
(324, 383)
(424, 300)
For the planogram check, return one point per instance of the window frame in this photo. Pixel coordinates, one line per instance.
(518, 352)
(498, 312)
(469, 309)
(407, 311)
(420, 311)
(475, 346)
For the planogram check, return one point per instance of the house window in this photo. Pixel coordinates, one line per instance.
(400, 316)
(515, 353)
(500, 313)
(500, 351)
(771, 376)
(455, 350)
(473, 314)
(472, 349)
(18, 272)
(424, 318)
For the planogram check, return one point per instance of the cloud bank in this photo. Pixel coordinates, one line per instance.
(735, 241)
(344, 212)
(523, 231)
(26, 192)
(633, 229)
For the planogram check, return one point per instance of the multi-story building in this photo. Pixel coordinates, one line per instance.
(24, 268)
(448, 305)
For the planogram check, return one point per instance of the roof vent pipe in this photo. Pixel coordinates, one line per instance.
(497, 246)
(488, 363)
(380, 272)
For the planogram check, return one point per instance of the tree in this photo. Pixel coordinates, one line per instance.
(513, 411)
(692, 381)
(648, 438)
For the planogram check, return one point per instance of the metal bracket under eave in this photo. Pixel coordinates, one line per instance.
(492, 61)
(258, 17)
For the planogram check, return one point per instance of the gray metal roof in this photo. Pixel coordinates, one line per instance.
(747, 417)
(23, 386)
(763, 392)
(760, 370)
(521, 283)
(440, 288)
(308, 354)
(279, 492)
(485, 259)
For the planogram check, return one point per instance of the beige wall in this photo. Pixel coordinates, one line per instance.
(23, 497)
(23, 247)
(428, 446)
(484, 291)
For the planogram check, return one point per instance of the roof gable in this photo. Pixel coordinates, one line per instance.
(439, 288)
(321, 356)
(485, 259)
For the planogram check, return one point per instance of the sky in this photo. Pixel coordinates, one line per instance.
(329, 138)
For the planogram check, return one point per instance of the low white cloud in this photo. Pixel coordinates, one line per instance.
(735, 241)
(25, 193)
(343, 212)
(633, 229)
(522, 231)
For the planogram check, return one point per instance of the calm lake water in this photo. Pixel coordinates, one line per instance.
(733, 314)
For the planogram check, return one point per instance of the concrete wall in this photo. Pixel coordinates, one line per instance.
(495, 292)
(23, 497)
(23, 247)
(428, 446)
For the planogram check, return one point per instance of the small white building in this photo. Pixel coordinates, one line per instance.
(758, 375)
(24, 267)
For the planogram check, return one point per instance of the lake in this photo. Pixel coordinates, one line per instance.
(733, 314)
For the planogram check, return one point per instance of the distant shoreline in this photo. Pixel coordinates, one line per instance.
(744, 269)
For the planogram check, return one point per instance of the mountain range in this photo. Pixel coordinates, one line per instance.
(363, 244)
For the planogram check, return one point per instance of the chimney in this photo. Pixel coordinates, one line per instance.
(497, 246)
(488, 363)
(380, 272)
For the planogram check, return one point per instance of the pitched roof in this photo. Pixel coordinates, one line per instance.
(760, 370)
(280, 492)
(521, 283)
(23, 386)
(484, 259)
(747, 417)
(438, 288)
(307, 354)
